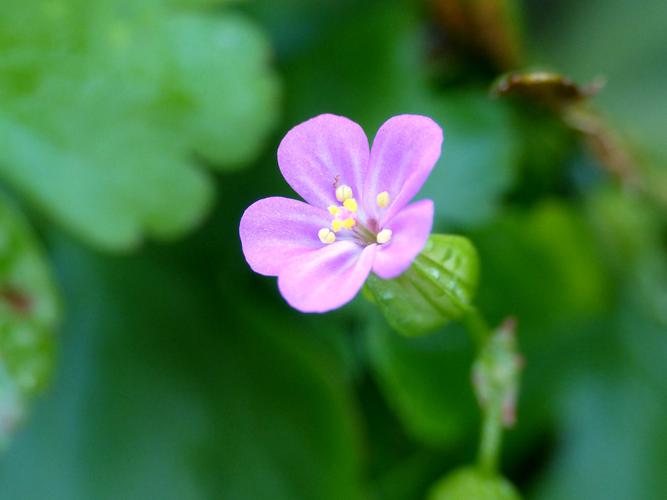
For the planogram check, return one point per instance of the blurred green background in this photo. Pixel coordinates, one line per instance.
(140, 358)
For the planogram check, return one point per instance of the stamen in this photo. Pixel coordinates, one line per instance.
(349, 223)
(383, 236)
(326, 236)
(383, 199)
(343, 193)
(351, 204)
(334, 210)
(336, 225)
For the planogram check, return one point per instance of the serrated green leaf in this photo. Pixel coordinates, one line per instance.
(28, 316)
(437, 288)
(222, 68)
(106, 104)
(472, 484)
(104, 202)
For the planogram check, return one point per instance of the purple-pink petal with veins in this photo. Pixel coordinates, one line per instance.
(326, 279)
(274, 230)
(324, 151)
(403, 154)
(410, 228)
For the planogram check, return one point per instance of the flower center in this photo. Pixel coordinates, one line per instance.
(346, 220)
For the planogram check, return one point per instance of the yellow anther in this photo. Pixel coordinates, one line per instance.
(351, 204)
(334, 210)
(383, 236)
(383, 199)
(349, 223)
(326, 235)
(336, 225)
(343, 193)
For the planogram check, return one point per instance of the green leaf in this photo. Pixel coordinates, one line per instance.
(612, 442)
(105, 203)
(169, 391)
(437, 288)
(470, 483)
(549, 249)
(28, 315)
(106, 104)
(222, 71)
(544, 267)
(627, 227)
(479, 158)
(426, 381)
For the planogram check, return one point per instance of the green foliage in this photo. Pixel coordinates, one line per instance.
(438, 287)
(479, 158)
(469, 484)
(427, 381)
(106, 103)
(611, 412)
(167, 391)
(543, 266)
(29, 312)
(549, 250)
(182, 375)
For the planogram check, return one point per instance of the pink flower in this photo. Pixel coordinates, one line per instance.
(356, 218)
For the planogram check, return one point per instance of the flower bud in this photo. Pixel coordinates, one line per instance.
(470, 483)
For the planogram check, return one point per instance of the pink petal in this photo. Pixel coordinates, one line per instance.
(274, 230)
(328, 278)
(404, 152)
(410, 230)
(321, 152)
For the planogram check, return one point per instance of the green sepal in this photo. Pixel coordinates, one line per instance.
(437, 288)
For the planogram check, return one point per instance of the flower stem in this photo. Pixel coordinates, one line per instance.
(478, 328)
(495, 378)
(490, 440)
